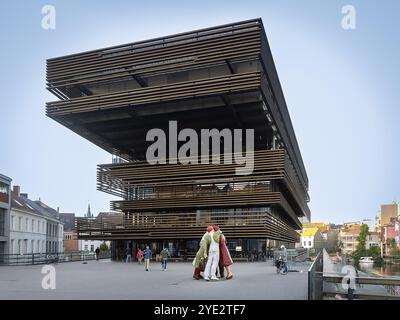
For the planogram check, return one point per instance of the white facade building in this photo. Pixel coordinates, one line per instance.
(91, 245)
(311, 238)
(27, 230)
(373, 240)
(33, 228)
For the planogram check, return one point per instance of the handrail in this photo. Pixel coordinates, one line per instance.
(364, 280)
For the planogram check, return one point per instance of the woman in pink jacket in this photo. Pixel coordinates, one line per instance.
(224, 255)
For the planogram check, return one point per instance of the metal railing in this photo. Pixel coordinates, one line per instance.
(315, 279)
(48, 258)
(391, 285)
(332, 284)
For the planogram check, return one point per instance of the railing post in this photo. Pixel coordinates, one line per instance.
(350, 291)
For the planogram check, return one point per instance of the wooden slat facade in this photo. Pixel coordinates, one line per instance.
(148, 95)
(219, 77)
(269, 165)
(245, 224)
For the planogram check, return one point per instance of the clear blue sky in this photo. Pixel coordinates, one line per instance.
(341, 87)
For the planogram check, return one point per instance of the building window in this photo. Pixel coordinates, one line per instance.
(86, 247)
(33, 226)
(38, 227)
(92, 248)
(309, 243)
(12, 222)
(3, 188)
(20, 224)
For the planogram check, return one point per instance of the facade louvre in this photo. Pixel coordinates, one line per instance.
(219, 77)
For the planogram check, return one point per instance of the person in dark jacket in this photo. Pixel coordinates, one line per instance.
(147, 256)
(97, 251)
(164, 258)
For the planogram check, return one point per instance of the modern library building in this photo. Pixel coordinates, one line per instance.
(222, 78)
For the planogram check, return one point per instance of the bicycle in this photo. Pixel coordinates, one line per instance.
(281, 266)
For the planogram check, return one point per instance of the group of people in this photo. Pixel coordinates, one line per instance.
(212, 254)
(146, 255)
(212, 257)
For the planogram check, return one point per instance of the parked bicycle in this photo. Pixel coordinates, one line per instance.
(50, 258)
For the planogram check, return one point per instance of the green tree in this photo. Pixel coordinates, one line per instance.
(375, 253)
(103, 247)
(362, 237)
(362, 240)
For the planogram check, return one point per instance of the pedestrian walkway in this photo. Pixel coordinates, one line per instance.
(113, 280)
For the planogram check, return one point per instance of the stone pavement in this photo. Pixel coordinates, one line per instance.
(115, 280)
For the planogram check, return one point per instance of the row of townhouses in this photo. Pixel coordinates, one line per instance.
(383, 232)
(34, 227)
(31, 226)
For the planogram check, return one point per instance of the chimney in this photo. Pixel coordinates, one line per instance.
(16, 190)
(24, 195)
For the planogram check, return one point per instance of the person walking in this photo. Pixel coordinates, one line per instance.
(283, 254)
(128, 255)
(97, 251)
(147, 256)
(139, 256)
(225, 259)
(213, 255)
(164, 258)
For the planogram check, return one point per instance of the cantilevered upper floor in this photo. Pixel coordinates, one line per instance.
(219, 77)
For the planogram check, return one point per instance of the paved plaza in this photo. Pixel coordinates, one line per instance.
(115, 280)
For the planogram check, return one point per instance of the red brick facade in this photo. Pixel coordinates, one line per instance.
(71, 243)
(4, 197)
